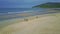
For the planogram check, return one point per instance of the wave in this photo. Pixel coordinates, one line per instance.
(18, 12)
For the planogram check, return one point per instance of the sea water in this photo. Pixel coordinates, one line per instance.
(8, 13)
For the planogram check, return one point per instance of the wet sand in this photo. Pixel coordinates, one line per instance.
(40, 24)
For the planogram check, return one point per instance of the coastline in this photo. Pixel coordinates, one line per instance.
(17, 20)
(34, 22)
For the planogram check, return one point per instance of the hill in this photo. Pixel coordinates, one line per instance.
(48, 5)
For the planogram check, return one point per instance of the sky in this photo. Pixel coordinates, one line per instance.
(22, 3)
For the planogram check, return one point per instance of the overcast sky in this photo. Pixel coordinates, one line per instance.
(22, 3)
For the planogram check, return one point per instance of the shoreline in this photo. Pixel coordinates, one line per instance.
(26, 14)
(17, 20)
(32, 22)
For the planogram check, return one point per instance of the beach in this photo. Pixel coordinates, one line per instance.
(29, 16)
(39, 24)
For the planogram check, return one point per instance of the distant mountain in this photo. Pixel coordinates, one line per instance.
(48, 5)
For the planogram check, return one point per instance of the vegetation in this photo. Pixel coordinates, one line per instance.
(48, 5)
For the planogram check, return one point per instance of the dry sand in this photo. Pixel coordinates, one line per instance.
(44, 24)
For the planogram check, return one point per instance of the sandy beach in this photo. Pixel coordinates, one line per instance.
(40, 24)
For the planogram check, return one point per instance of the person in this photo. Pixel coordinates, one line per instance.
(25, 19)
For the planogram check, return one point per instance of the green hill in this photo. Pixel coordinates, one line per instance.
(48, 5)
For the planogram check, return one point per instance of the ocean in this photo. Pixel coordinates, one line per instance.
(8, 13)
(11, 13)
